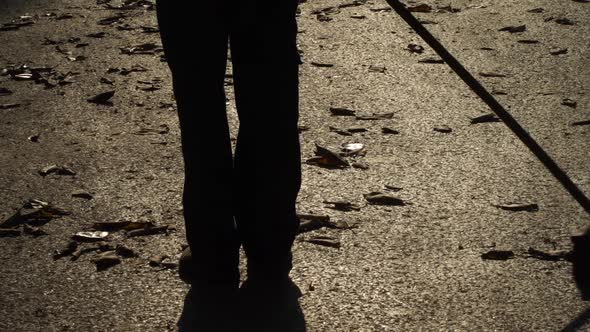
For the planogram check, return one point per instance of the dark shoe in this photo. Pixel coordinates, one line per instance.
(210, 308)
(270, 306)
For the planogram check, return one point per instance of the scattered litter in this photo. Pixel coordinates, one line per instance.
(34, 231)
(389, 131)
(106, 260)
(310, 222)
(564, 21)
(70, 248)
(339, 111)
(322, 65)
(325, 241)
(146, 48)
(552, 255)
(415, 48)
(558, 51)
(515, 207)
(343, 205)
(59, 170)
(9, 106)
(375, 116)
(102, 98)
(90, 236)
(352, 149)
(327, 158)
(514, 29)
(443, 129)
(581, 123)
(498, 255)
(148, 231)
(485, 119)
(5, 92)
(377, 69)
(379, 198)
(432, 60)
(34, 212)
(9, 232)
(569, 102)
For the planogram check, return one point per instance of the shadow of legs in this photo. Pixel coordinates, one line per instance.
(271, 307)
(209, 308)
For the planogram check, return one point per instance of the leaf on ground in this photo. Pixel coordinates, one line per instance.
(103, 98)
(379, 198)
(327, 158)
(325, 241)
(487, 118)
(339, 111)
(514, 29)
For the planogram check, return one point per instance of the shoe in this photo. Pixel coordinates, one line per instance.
(270, 306)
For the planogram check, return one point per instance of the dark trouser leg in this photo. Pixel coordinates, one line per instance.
(267, 159)
(196, 51)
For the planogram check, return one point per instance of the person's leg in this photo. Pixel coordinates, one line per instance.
(196, 50)
(267, 161)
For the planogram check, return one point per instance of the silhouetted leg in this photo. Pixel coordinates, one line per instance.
(196, 50)
(267, 158)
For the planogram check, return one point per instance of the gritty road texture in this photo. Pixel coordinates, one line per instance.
(414, 267)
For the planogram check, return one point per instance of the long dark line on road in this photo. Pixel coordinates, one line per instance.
(474, 84)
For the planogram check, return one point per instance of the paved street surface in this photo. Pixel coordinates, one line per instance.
(455, 257)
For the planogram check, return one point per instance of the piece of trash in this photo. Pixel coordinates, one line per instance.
(339, 111)
(33, 138)
(82, 194)
(375, 116)
(59, 170)
(379, 198)
(569, 102)
(106, 259)
(377, 69)
(9, 106)
(146, 48)
(325, 241)
(558, 51)
(9, 232)
(34, 231)
(393, 188)
(581, 123)
(514, 29)
(343, 205)
(491, 74)
(552, 255)
(71, 247)
(5, 92)
(433, 60)
(485, 119)
(310, 222)
(102, 98)
(35, 212)
(90, 236)
(340, 131)
(498, 255)
(327, 158)
(389, 131)
(420, 8)
(321, 64)
(352, 149)
(415, 48)
(516, 207)
(148, 231)
(156, 260)
(358, 16)
(443, 129)
(564, 21)
(125, 252)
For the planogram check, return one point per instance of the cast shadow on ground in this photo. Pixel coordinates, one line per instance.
(578, 322)
(288, 318)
